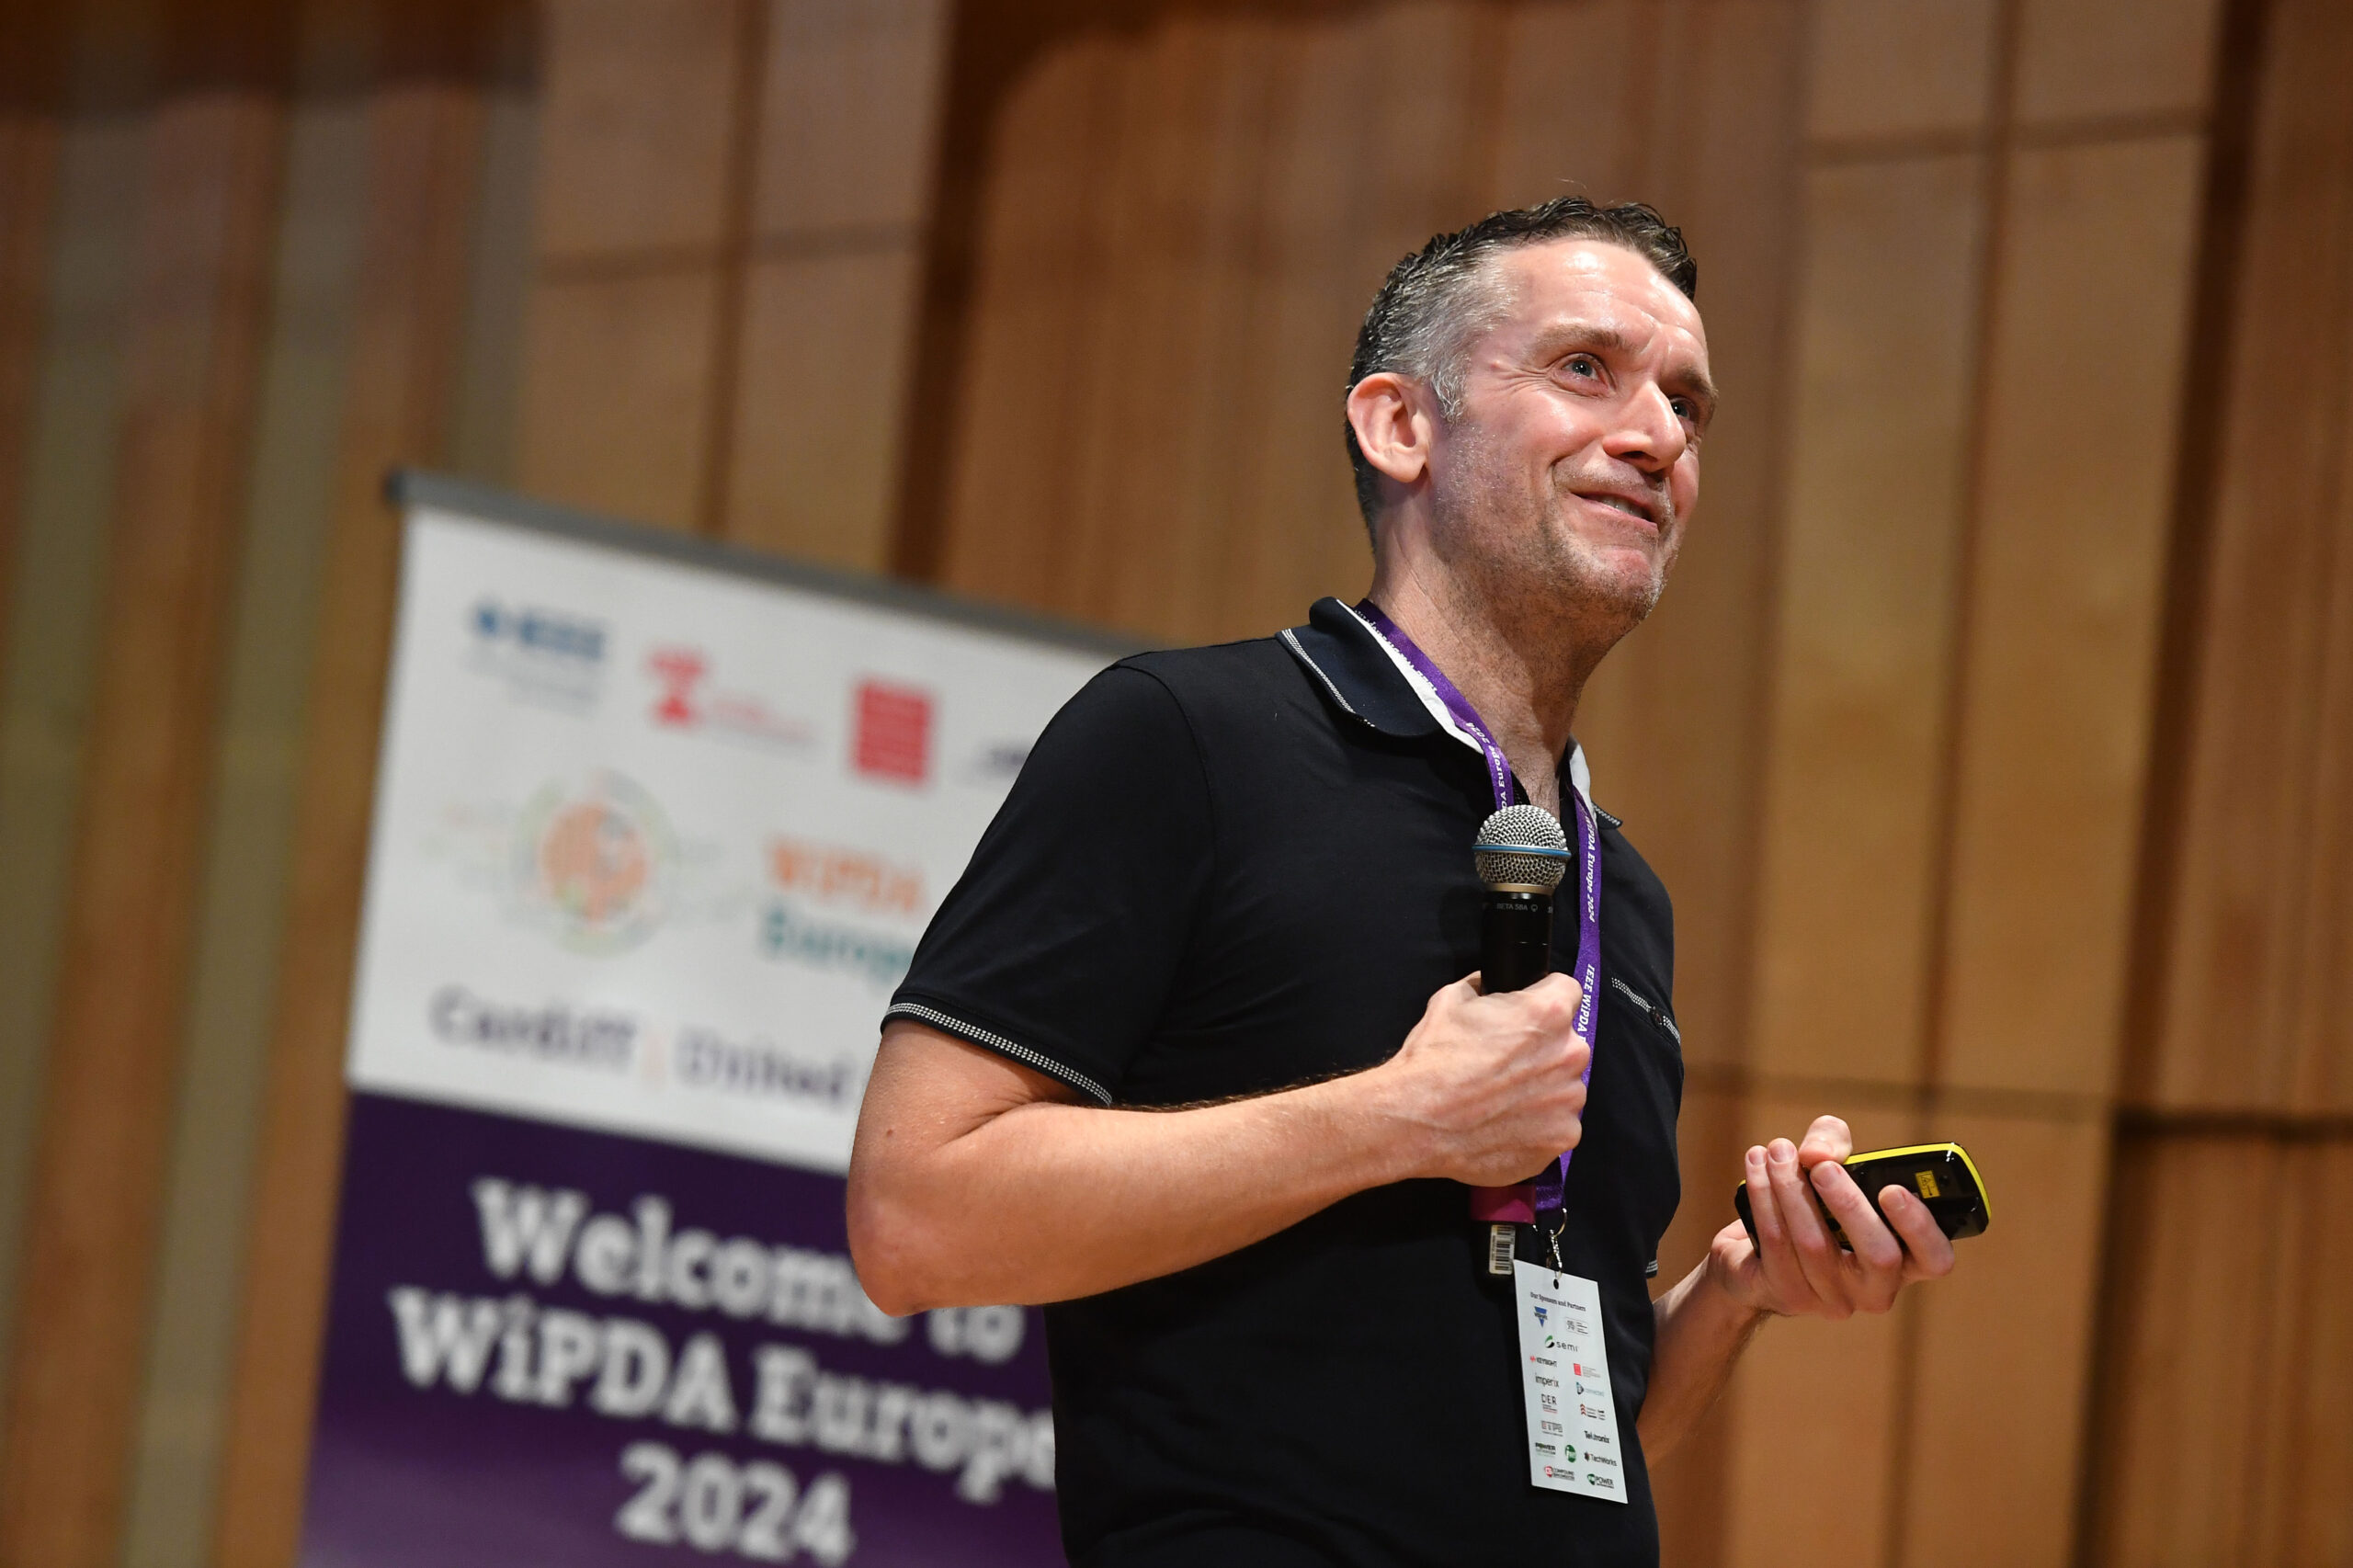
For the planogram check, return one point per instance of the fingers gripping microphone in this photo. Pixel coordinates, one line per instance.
(1522, 855)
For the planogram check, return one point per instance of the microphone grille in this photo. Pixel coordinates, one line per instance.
(1521, 846)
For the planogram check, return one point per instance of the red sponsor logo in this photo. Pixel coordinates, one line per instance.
(677, 670)
(893, 732)
(685, 700)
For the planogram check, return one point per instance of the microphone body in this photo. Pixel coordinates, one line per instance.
(1522, 855)
(1515, 940)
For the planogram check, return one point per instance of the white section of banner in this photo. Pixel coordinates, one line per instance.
(653, 842)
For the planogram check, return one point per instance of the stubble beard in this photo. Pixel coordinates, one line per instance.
(1526, 560)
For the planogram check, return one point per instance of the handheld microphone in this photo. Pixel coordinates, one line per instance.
(1522, 855)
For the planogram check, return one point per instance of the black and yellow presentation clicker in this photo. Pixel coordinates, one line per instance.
(1939, 1175)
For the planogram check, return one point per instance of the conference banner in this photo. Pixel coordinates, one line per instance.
(657, 827)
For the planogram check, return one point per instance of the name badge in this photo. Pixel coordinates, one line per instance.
(1565, 1371)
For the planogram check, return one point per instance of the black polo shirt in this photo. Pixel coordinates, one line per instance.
(1225, 870)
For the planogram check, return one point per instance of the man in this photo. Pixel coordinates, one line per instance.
(1190, 1052)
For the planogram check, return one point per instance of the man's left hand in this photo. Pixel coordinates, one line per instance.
(1796, 1267)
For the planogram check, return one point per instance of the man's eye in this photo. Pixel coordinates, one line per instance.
(1579, 364)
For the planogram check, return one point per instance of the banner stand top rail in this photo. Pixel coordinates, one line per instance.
(412, 488)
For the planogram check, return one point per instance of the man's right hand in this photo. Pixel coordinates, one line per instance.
(1494, 1085)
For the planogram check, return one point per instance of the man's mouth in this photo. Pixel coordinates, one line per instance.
(1626, 503)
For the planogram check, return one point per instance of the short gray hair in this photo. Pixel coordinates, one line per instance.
(1436, 301)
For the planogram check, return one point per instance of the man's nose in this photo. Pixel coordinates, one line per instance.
(1649, 434)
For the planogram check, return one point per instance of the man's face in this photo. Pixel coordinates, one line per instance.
(1574, 463)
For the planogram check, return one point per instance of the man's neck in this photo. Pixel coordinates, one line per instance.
(1524, 680)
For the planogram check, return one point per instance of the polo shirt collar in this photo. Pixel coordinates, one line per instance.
(1374, 683)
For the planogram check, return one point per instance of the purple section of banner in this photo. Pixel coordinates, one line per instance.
(553, 1347)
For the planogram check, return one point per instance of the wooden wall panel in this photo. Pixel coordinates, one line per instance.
(732, 203)
(32, 80)
(238, 927)
(1970, 617)
(2002, 1352)
(643, 188)
(1887, 338)
(1912, 70)
(208, 195)
(2080, 59)
(618, 374)
(841, 202)
(2225, 1438)
(848, 118)
(2251, 965)
(817, 442)
(425, 149)
(2063, 605)
(2232, 1225)
(638, 116)
(2305, 1503)
(2180, 1451)
(53, 621)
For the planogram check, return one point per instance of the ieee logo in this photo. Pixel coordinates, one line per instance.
(549, 634)
(543, 657)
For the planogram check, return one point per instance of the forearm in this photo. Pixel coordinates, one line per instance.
(1700, 1332)
(1046, 1202)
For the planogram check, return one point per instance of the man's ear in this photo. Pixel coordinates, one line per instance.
(1394, 421)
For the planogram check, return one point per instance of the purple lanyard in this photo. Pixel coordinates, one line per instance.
(1499, 775)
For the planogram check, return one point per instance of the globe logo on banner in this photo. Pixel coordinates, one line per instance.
(594, 864)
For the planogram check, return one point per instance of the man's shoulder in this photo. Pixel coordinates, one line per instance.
(1223, 678)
